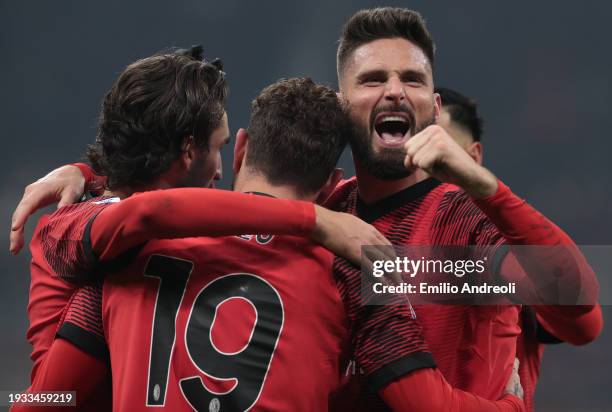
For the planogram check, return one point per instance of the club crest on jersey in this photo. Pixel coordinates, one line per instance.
(261, 239)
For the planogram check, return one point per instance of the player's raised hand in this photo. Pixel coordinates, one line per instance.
(64, 185)
(437, 153)
(344, 235)
(513, 386)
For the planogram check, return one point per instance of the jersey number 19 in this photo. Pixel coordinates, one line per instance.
(248, 366)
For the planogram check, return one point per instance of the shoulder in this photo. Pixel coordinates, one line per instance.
(458, 204)
(63, 238)
(459, 217)
(273, 248)
(77, 213)
(341, 194)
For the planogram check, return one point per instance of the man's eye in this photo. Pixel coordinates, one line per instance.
(373, 82)
(413, 80)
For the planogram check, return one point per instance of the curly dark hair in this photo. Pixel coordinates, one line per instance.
(368, 25)
(297, 132)
(155, 104)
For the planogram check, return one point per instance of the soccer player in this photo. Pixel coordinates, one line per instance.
(184, 122)
(460, 118)
(418, 186)
(164, 318)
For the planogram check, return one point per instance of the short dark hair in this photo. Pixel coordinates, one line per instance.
(297, 132)
(462, 110)
(155, 104)
(368, 25)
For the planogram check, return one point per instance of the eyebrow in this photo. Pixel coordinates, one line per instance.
(371, 73)
(420, 75)
(410, 73)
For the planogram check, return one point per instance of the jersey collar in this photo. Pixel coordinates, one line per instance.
(371, 212)
(261, 194)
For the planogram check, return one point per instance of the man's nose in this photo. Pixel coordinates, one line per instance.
(394, 90)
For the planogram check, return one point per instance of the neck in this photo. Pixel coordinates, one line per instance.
(372, 189)
(252, 182)
(126, 191)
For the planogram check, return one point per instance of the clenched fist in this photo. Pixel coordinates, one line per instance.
(436, 152)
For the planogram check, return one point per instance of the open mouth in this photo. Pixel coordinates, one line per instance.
(392, 128)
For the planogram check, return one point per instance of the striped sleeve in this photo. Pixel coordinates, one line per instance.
(82, 323)
(66, 243)
(386, 337)
(460, 222)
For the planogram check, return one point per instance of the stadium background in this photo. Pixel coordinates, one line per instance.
(539, 71)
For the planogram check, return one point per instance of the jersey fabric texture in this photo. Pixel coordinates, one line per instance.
(473, 346)
(57, 238)
(232, 322)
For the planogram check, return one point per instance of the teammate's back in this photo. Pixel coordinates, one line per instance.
(252, 312)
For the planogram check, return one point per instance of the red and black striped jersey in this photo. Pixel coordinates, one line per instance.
(51, 288)
(240, 322)
(57, 238)
(474, 346)
(63, 252)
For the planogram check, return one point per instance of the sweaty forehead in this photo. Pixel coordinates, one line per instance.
(394, 54)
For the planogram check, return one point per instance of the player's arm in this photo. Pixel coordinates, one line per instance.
(389, 347)
(435, 152)
(64, 185)
(67, 368)
(176, 213)
(577, 325)
(426, 390)
(554, 264)
(78, 358)
(75, 242)
(389, 338)
(187, 212)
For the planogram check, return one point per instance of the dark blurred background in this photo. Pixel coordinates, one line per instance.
(539, 70)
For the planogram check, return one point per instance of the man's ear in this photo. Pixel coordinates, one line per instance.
(334, 178)
(188, 152)
(437, 106)
(475, 151)
(242, 138)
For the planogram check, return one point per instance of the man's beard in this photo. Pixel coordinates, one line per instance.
(197, 175)
(387, 163)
